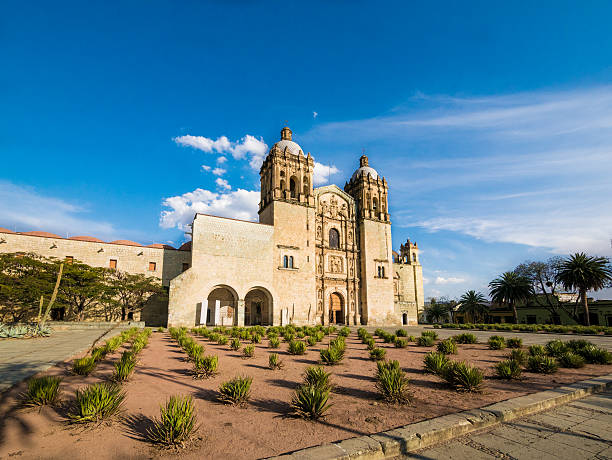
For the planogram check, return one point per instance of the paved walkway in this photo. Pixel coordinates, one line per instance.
(21, 358)
(529, 338)
(579, 430)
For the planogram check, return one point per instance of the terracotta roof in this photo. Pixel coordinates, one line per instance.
(44, 234)
(5, 230)
(161, 246)
(185, 246)
(126, 243)
(86, 238)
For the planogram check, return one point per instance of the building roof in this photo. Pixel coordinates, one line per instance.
(91, 239)
(43, 234)
(185, 246)
(126, 243)
(364, 169)
(286, 142)
(5, 230)
(160, 246)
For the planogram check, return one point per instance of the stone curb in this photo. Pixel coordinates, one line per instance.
(402, 440)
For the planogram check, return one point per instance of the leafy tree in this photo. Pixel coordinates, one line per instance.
(472, 303)
(511, 288)
(585, 273)
(436, 310)
(23, 279)
(81, 289)
(128, 293)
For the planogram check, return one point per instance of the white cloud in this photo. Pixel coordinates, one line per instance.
(205, 168)
(221, 160)
(315, 114)
(322, 173)
(248, 147)
(219, 171)
(25, 209)
(238, 204)
(223, 184)
(450, 280)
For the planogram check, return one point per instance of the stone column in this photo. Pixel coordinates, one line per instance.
(203, 311)
(217, 318)
(240, 313)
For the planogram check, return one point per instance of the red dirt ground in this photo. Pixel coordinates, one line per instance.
(265, 426)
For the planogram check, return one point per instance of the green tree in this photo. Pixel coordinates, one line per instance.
(585, 273)
(24, 278)
(473, 303)
(81, 290)
(128, 293)
(436, 311)
(511, 288)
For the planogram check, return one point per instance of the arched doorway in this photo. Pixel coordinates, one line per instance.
(258, 308)
(405, 319)
(336, 311)
(221, 307)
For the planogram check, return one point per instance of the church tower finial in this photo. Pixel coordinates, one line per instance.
(286, 134)
(363, 160)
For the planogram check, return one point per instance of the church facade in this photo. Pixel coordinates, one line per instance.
(317, 255)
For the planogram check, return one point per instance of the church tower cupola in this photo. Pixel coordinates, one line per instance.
(286, 134)
(370, 192)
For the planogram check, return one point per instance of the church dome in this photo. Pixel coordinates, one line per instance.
(287, 143)
(364, 169)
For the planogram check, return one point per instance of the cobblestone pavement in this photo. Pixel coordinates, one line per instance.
(579, 430)
(529, 338)
(21, 358)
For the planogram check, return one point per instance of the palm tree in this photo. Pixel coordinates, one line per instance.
(584, 273)
(511, 288)
(472, 303)
(436, 311)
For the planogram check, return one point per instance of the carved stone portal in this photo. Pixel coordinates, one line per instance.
(335, 264)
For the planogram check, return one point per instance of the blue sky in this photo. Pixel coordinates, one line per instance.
(491, 121)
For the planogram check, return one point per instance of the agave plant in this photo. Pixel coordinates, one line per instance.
(42, 390)
(205, 366)
(332, 355)
(508, 369)
(392, 384)
(124, 367)
(97, 402)
(84, 366)
(436, 362)
(236, 391)
(311, 401)
(463, 377)
(316, 376)
(447, 346)
(274, 362)
(297, 347)
(176, 423)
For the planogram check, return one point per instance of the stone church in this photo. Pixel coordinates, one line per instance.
(317, 255)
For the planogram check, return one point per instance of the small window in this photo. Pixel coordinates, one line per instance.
(382, 271)
(286, 262)
(334, 238)
(113, 264)
(414, 257)
(290, 261)
(152, 266)
(379, 275)
(185, 267)
(69, 259)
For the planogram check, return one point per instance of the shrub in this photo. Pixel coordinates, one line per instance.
(412, 338)
(248, 351)
(425, 341)
(331, 355)
(97, 402)
(571, 359)
(386, 365)
(447, 346)
(42, 390)
(389, 338)
(236, 391)
(161, 329)
(463, 377)
(124, 367)
(362, 333)
(312, 341)
(274, 362)
(297, 347)
(194, 350)
(496, 342)
(371, 344)
(432, 334)
(377, 354)
(536, 350)
(400, 343)
(594, 355)
(518, 355)
(98, 353)
(316, 376)
(310, 401)
(274, 342)
(392, 383)
(255, 338)
(235, 345)
(345, 331)
(465, 338)
(176, 423)
(542, 364)
(436, 362)
(556, 348)
(84, 366)
(222, 340)
(339, 342)
(514, 342)
(401, 333)
(509, 369)
(577, 344)
(205, 366)
(289, 337)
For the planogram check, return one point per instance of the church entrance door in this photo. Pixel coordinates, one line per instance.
(336, 315)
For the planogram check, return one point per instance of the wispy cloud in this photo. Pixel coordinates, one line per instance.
(249, 147)
(322, 173)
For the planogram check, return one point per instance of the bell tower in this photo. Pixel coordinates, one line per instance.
(370, 192)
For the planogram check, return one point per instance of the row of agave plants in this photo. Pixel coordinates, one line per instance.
(100, 400)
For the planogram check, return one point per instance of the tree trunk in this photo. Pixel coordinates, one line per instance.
(585, 303)
(122, 313)
(514, 312)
